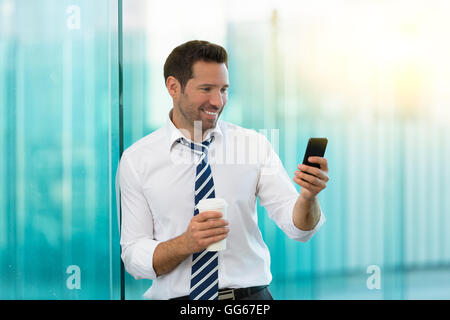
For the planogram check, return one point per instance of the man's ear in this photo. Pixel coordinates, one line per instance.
(173, 86)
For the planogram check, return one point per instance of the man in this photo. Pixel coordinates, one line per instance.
(165, 174)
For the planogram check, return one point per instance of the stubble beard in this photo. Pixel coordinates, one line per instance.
(191, 115)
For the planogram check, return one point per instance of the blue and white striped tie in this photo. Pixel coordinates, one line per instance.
(205, 264)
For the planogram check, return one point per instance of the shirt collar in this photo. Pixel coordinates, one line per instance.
(173, 133)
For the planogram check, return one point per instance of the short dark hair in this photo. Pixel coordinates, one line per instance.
(180, 61)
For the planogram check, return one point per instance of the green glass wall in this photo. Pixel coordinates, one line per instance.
(371, 76)
(59, 146)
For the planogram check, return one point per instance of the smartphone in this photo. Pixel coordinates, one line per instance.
(316, 148)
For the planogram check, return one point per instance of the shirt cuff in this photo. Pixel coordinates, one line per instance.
(302, 235)
(138, 258)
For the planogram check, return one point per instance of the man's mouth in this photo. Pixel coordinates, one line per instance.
(211, 114)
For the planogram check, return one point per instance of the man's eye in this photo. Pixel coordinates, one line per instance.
(224, 90)
(206, 89)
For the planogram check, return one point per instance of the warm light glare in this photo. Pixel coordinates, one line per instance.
(389, 57)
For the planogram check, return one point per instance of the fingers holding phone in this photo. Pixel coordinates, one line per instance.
(321, 161)
(321, 173)
(312, 174)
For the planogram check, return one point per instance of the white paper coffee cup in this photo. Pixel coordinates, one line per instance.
(214, 204)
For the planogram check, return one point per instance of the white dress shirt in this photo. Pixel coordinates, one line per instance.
(156, 177)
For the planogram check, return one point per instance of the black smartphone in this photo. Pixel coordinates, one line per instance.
(316, 148)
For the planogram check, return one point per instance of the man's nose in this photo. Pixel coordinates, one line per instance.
(216, 99)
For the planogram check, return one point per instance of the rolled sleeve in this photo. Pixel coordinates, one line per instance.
(278, 195)
(304, 235)
(136, 238)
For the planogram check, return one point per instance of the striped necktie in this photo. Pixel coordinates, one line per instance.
(205, 264)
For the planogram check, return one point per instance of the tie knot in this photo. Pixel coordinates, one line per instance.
(202, 147)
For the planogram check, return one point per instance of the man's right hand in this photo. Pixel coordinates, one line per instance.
(205, 228)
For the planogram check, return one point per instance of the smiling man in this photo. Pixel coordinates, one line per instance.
(202, 98)
(163, 235)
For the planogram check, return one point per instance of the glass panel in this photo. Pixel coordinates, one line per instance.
(373, 78)
(59, 144)
(136, 104)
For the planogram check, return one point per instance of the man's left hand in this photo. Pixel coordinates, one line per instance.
(311, 179)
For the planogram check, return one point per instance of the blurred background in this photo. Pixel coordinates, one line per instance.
(370, 75)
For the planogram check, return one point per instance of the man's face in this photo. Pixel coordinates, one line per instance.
(205, 95)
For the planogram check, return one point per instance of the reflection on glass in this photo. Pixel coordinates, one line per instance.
(58, 101)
